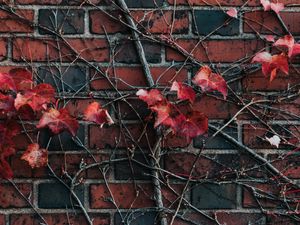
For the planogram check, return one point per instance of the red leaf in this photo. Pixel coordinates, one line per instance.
(151, 97)
(193, 125)
(288, 42)
(232, 13)
(58, 121)
(270, 64)
(184, 92)
(6, 82)
(7, 107)
(270, 38)
(94, 113)
(22, 78)
(163, 111)
(209, 81)
(277, 7)
(36, 98)
(35, 156)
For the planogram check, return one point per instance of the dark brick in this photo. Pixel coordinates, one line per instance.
(144, 3)
(63, 141)
(11, 198)
(67, 79)
(66, 21)
(56, 195)
(213, 196)
(218, 142)
(207, 21)
(132, 170)
(136, 218)
(126, 52)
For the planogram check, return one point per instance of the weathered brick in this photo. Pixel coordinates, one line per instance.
(254, 136)
(215, 22)
(136, 218)
(220, 166)
(133, 109)
(118, 139)
(3, 49)
(67, 79)
(287, 164)
(207, 2)
(125, 196)
(163, 21)
(101, 23)
(231, 218)
(126, 78)
(61, 2)
(10, 197)
(126, 52)
(258, 82)
(10, 23)
(144, 3)
(63, 141)
(64, 21)
(41, 50)
(131, 170)
(58, 219)
(213, 196)
(60, 196)
(274, 219)
(267, 23)
(217, 50)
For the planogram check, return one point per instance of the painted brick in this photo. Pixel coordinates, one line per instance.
(60, 196)
(11, 23)
(68, 79)
(215, 22)
(213, 196)
(64, 21)
(10, 197)
(42, 50)
(217, 50)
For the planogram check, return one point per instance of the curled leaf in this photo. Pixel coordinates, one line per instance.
(35, 156)
(151, 97)
(275, 140)
(232, 13)
(276, 7)
(288, 42)
(58, 121)
(271, 64)
(94, 113)
(209, 81)
(184, 92)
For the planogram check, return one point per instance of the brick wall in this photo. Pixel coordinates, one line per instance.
(86, 50)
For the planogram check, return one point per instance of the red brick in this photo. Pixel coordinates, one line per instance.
(58, 219)
(286, 2)
(218, 50)
(101, 22)
(288, 164)
(129, 196)
(208, 2)
(46, 50)
(267, 23)
(288, 109)
(126, 77)
(10, 197)
(161, 21)
(181, 164)
(49, 2)
(58, 2)
(254, 136)
(277, 219)
(258, 82)
(12, 24)
(99, 138)
(230, 218)
(125, 195)
(3, 49)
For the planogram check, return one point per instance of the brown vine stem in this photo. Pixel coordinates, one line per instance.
(157, 147)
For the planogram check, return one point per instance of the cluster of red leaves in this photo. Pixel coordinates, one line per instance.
(21, 98)
(272, 63)
(192, 123)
